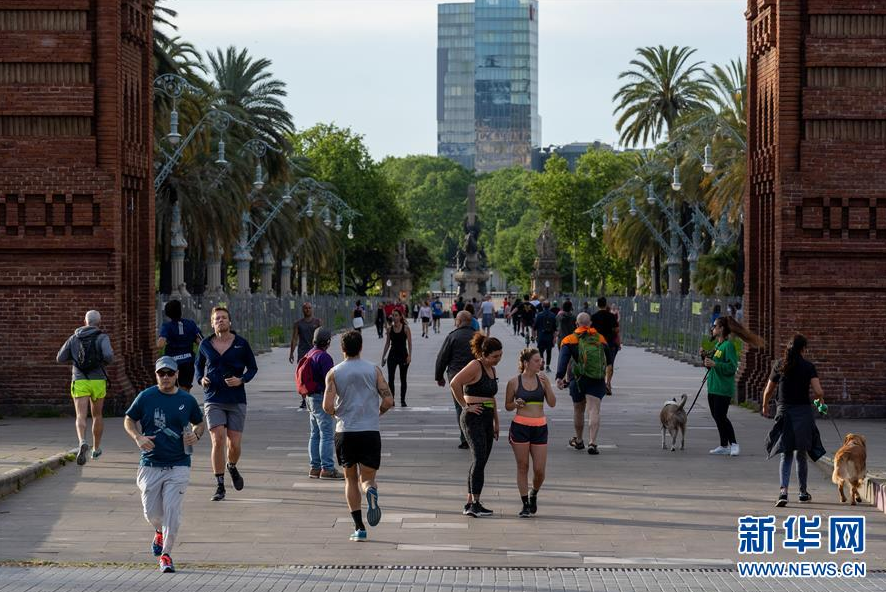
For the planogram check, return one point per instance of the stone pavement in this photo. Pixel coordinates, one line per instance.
(634, 505)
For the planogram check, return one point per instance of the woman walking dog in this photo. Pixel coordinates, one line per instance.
(527, 393)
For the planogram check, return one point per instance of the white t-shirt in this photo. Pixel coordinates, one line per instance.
(487, 307)
(424, 312)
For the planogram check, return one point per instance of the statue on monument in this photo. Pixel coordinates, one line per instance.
(546, 243)
(470, 259)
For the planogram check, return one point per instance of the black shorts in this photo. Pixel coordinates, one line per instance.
(581, 387)
(426, 319)
(524, 434)
(611, 352)
(354, 448)
(186, 373)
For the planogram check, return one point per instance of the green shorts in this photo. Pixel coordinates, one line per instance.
(96, 389)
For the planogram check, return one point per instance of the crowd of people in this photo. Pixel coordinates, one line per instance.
(344, 401)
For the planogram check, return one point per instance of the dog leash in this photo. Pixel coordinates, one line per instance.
(823, 410)
(703, 381)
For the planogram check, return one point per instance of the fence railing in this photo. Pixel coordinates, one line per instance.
(266, 321)
(669, 325)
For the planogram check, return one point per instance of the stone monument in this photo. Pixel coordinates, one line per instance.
(546, 279)
(471, 275)
(399, 280)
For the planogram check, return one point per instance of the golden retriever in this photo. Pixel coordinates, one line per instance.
(850, 465)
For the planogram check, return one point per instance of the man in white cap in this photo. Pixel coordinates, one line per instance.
(165, 423)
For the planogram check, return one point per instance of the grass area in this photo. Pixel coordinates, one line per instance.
(277, 336)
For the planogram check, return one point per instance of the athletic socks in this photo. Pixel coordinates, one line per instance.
(220, 479)
(525, 499)
(357, 517)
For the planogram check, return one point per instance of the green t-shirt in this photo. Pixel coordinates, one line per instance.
(721, 378)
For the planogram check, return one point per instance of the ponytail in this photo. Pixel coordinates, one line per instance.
(730, 326)
(792, 354)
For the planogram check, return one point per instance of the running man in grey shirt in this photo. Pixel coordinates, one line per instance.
(353, 388)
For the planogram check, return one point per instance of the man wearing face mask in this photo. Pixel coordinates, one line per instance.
(225, 363)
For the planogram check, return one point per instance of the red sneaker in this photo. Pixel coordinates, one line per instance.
(157, 544)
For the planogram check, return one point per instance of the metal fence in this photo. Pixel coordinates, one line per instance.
(669, 325)
(266, 321)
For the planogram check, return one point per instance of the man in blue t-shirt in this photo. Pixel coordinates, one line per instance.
(177, 339)
(165, 423)
(436, 313)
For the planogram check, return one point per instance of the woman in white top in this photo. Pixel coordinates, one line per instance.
(425, 313)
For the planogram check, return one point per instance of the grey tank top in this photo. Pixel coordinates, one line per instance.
(357, 401)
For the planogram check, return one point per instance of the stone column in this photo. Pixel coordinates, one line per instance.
(242, 256)
(179, 244)
(266, 264)
(286, 276)
(214, 254)
(674, 264)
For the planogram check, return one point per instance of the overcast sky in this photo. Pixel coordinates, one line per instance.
(371, 64)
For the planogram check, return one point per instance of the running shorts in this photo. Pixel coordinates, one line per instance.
(230, 415)
(354, 448)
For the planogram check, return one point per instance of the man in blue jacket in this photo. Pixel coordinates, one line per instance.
(225, 363)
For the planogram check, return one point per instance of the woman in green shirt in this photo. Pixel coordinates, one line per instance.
(722, 365)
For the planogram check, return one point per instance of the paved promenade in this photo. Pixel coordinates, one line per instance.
(633, 505)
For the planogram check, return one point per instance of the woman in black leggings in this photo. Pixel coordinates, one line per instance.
(399, 341)
(474, 388)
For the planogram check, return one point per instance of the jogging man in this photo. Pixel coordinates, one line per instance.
(225, 363)
(89, 351)
(321, 439)
(545, 329)
(165, 423)
(606, 324)
(437, 313)
(527, 314)
(177, 339)
(453, 356)
(583, 355)
(353, 388)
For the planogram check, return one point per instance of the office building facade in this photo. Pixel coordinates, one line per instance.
(487, 83)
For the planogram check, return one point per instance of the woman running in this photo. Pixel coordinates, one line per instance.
(474, 388)
(794, 429)
(527, 393)
(399, 341)
(425, 313)
(722, 365)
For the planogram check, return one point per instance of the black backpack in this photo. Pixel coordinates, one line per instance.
(549, 325)
(89, 357)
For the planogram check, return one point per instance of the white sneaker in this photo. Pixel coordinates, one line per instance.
(734, 449)
(720, 450)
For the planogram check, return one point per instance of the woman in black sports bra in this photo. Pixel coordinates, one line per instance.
(527, 393)
(474, 388)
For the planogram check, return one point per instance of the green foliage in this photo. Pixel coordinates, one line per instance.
(339, 156)
(431, 190)
(422, 264)
(716, 271)
(502, 199)
(513, 250)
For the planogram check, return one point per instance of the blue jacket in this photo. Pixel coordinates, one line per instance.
(237, 361)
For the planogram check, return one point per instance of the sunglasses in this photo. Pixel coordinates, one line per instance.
(166, 372)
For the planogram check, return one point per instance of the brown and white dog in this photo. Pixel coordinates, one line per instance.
(850, 465)
(673, 420)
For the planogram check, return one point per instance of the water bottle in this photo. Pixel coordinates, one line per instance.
(189, 449)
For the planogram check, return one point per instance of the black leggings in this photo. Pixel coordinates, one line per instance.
(477, 429)
(545, 351)
(719, 408)
(392, 369)
(380, 327)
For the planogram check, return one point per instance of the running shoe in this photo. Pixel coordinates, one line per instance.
(782, 500)
(403, 403)
(804, 498)
(467, 511)
(97, 452)
(478, 511)
(157, 544)
(525, 512)
(533, 503)
(721, 450)
(358, 535)
(333, 474)
(236, 477)
(373, 512)
(166, 565)
(734, 450)
(577, 444)
(592, 449)
(219, 493)
(81, 455)
(463, 446)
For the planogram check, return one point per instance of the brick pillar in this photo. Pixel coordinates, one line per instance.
(815, 205)
(76, 197)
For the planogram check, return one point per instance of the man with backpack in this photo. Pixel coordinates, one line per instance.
(310, 380)
(545, 328)
(583, 356)
(88, 350)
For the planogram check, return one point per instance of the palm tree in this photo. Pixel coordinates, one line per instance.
(662, 86)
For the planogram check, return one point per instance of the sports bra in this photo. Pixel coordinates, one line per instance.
(487, 386)
(536, 396)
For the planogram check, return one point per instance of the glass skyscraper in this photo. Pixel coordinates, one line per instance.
(487, 83)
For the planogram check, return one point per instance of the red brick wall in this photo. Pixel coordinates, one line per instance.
(76, 193)
(815, 209)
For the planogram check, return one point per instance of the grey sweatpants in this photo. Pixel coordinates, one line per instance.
(163, 491)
